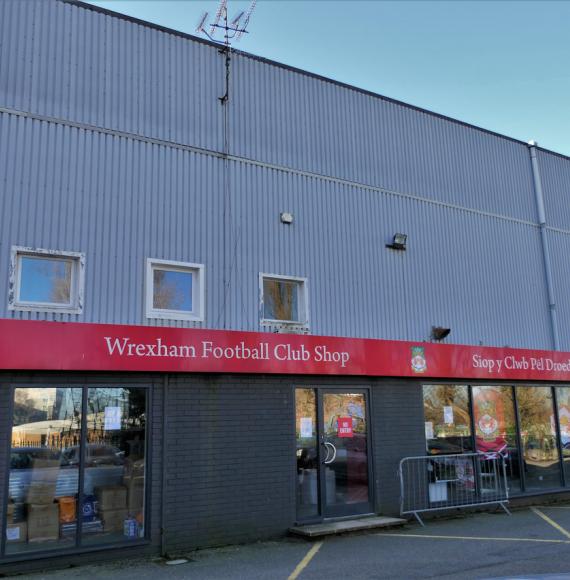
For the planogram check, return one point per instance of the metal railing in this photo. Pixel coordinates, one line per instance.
(439, 482)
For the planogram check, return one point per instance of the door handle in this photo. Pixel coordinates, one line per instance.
(325, 443)
(327, 461)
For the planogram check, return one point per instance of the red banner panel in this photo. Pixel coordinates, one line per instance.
(31, 345)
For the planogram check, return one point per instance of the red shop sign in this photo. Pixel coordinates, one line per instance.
(33, 345)
(345, 427)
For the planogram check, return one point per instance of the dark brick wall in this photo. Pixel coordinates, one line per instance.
(230, 451)
(398, 431)
(230, 460)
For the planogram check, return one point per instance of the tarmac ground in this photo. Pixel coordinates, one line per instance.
(531, 543)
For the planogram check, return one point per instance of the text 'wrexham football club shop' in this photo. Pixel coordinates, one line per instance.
(132, 436)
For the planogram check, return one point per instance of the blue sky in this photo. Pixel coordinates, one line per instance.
(502, 65)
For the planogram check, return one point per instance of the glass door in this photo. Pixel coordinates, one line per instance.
(344, 442)
(333, 468)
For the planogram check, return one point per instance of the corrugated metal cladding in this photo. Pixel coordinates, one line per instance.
(65, 61)
(555, 174)
(122, 200)
(353, 168)
(70, 62)
(560, 256)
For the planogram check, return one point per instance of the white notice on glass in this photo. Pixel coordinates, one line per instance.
(448, 415)
(306, 427)
(13, 533)
(112, 418)
(429, 430)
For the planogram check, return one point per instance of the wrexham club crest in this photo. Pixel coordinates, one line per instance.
(419, 364)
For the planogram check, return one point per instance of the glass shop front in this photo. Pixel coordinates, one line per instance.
(76, 468)
(528, 425)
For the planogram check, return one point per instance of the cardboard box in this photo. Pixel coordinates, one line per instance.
(113, 520)
(135, 494)
(43, 522)
(112, 497)
(41, 492)
(16, 533)
(45, 470)
(10, 512)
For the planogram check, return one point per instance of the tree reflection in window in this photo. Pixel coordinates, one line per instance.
(447, 419)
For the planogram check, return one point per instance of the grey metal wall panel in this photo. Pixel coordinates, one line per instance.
(555, 175)
(559, 243)
(119, 200)
(463, 270)
(291, 119)
(122, 200)
(67, 61)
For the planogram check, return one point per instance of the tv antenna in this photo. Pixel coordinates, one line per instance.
(232, 29)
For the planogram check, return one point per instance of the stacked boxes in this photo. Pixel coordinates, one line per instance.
(15, 532)
(43, 522)
(43, 513)
(134, 482)
(112, 506)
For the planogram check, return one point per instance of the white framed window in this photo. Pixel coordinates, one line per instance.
(283, 300)
(174, 290)
(46, 280)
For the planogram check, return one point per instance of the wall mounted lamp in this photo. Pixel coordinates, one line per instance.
(398, 242)
(286, 217)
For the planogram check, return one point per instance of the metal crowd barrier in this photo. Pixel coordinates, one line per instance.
(439, 482)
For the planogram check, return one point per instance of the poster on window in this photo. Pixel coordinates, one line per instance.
(490, 425)
(345, 427)
(306, 427)
(448, 415)
(112, 418)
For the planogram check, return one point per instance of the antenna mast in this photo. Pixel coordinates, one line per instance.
(230, 30)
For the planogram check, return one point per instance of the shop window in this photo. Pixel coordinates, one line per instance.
(496, 428)
(283, 300)
(538, 438)
(175, 290)
(563, 404)
(447, 419)
(307, 453)
(46, 280)
(62, 436)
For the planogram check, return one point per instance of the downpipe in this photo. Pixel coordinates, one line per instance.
(539, 195)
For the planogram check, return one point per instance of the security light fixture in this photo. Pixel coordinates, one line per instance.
(286, 217)
(439, 333)
(398, 242)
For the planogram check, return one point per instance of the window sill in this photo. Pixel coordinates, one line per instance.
(45, 308)
(174, 316)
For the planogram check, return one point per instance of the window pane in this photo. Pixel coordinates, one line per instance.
(447, 420)
(307, 460)
(114, 484)
(496, 428)
(172, 290)
(46, 280)
(538, 437)
(563, 399)
(281, 300)
(43, 486)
